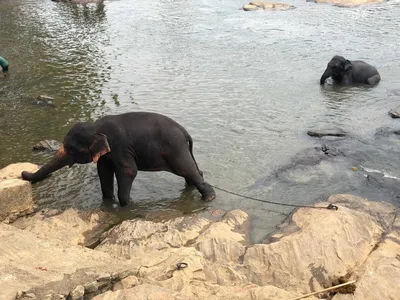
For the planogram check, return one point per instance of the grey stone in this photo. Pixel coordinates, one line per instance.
(104, 277)
(326, 132)
(47, 145)
(77, 293)
(395, 112)
(91, 287)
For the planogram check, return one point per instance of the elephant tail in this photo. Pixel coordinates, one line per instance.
(190, 140)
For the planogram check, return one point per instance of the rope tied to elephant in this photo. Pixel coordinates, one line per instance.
(329, 207)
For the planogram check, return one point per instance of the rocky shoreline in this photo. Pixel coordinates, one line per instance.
(205, 255)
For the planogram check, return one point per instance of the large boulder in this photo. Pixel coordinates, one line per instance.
(13, 171)
(379, 276)
(15, 194)
(318, 246)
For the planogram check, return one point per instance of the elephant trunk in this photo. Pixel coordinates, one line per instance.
(327, 74)
(61, 159)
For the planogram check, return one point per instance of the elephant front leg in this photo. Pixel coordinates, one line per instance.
(105, 170)
(125, 177)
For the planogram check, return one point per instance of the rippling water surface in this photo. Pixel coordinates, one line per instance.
(244, 84)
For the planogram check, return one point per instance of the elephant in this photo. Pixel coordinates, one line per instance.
(346, 72)
(125, 144)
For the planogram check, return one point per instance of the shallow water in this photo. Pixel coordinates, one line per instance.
(244, 84)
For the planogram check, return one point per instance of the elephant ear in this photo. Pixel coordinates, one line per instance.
(348, 66)
(99, 147)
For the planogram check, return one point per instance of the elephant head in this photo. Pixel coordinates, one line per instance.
(81, 145)
(336, 68)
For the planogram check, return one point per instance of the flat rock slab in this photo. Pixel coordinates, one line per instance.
(259, 5)
(30, 263)
(395, 112)
(86, 230)
(326, 132)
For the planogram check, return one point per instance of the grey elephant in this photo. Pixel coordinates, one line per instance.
(346, 72)
(122, 145)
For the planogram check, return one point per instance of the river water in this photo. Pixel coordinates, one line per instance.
(244, 84)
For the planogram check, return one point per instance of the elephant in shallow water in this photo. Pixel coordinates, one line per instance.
(348, 72)
(122, 145)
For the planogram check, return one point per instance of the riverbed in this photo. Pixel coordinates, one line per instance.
(244, 84)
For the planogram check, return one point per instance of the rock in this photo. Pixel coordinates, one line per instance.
(256, 5)
(132, 238)
(47, 145)
(37, 266)
(221, 250)
(15, 199)
(43, 100)
(249, 7)
(326, 245)
(142, 292)
(86, 230)
(14, 171)
(313, 249)
(349, 3)
(379, 276)
(91, 287)
(77, 293)
(395, 112)
(78, 1)
(126, 283)
(326, 132)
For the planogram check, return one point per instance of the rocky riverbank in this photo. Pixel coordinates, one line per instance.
(207, 255)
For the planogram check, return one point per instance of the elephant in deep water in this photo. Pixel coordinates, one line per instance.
(122, 145)
(348, 72)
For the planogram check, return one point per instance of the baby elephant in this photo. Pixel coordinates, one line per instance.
(347, 72)
(124, 144)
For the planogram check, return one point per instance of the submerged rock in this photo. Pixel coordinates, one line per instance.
(43, 100)
(47, 145)
(256, 5)
(349, 3)
(395, 112)
(326, 132)
(78, 1)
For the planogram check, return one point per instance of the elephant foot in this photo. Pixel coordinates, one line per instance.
(209, 198)
(207, 192)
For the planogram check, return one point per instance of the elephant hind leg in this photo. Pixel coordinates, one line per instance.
(374, 79)
(183, 165)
